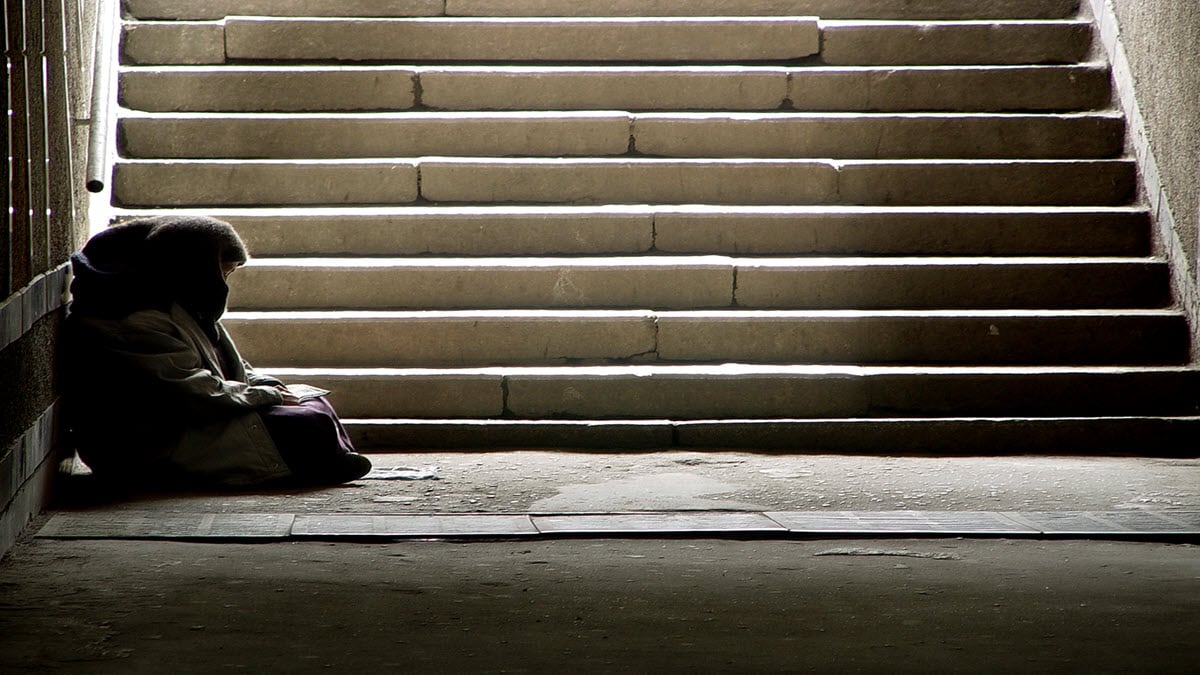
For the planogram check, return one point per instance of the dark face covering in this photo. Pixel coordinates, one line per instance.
(152, 263)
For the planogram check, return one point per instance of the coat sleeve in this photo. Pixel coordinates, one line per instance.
(257, 378)
(153, 345)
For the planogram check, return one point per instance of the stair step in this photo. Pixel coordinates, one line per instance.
(540, 337)
(637, 229)
(734, 391)
(842, 9)
(703, 282)
(672, 181)
(366, 88)
(722, 135)
(860, 43)
(304, 136)
(859, 136)
(173, 43)
(629, 40)
(267, 88)
(807, 225)
(1148, 436)
(522, 39)
(622, 180)
(876, 9)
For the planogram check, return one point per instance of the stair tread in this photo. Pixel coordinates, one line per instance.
(730, 314)
(744, 370)
(510, 115)
(668, 261)
(423, 211)
(1151, 435)
(632, 86)
(522, 38)
(211, 9)
(597, 133)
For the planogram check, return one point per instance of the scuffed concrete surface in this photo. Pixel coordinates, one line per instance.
(542, 481)
(600, 606)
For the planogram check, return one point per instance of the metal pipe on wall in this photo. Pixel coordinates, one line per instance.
(103, 68)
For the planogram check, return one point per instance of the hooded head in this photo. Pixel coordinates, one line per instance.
(151, 263)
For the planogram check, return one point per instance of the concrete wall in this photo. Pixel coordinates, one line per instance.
(1154, 47)
(46, 218)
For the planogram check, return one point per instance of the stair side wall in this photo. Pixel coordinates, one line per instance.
(1156, 73)
(46, 137)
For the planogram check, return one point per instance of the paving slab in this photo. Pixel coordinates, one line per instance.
(1080, 523)
(177, 526)
(641, 524)
(387, 526)
(743, 524)
(873, 523)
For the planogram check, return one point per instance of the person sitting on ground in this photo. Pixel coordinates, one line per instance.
(157, 393)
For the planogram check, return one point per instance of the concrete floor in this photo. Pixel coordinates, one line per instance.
(541, 481)
(640, 605)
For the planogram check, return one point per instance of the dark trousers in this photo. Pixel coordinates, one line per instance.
(309, 436)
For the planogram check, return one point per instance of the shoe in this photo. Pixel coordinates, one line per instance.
(348, 467)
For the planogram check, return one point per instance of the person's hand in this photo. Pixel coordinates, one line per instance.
(288, 397)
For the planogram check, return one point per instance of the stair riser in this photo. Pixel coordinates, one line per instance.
(218, 9)
(832, 9)
(772, 136)
(223, 183)
(683, 40)
(829, 9)
(332, 138)
(849, 89)
(262, 89)
(476, 341)
(1150, 436)
(319, 88)
(862, 44)
(579, 230)
(1118, 284)
(898, 233)
(710, 396)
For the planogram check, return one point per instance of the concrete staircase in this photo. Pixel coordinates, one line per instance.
(841, 225)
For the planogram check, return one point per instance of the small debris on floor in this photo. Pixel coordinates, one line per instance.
(879, 552)
(403, 473)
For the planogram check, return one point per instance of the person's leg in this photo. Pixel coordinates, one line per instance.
(313, 442)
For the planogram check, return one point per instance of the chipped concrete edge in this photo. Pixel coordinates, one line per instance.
(1186, 287)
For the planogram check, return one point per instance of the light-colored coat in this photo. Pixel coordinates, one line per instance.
(150, 396)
